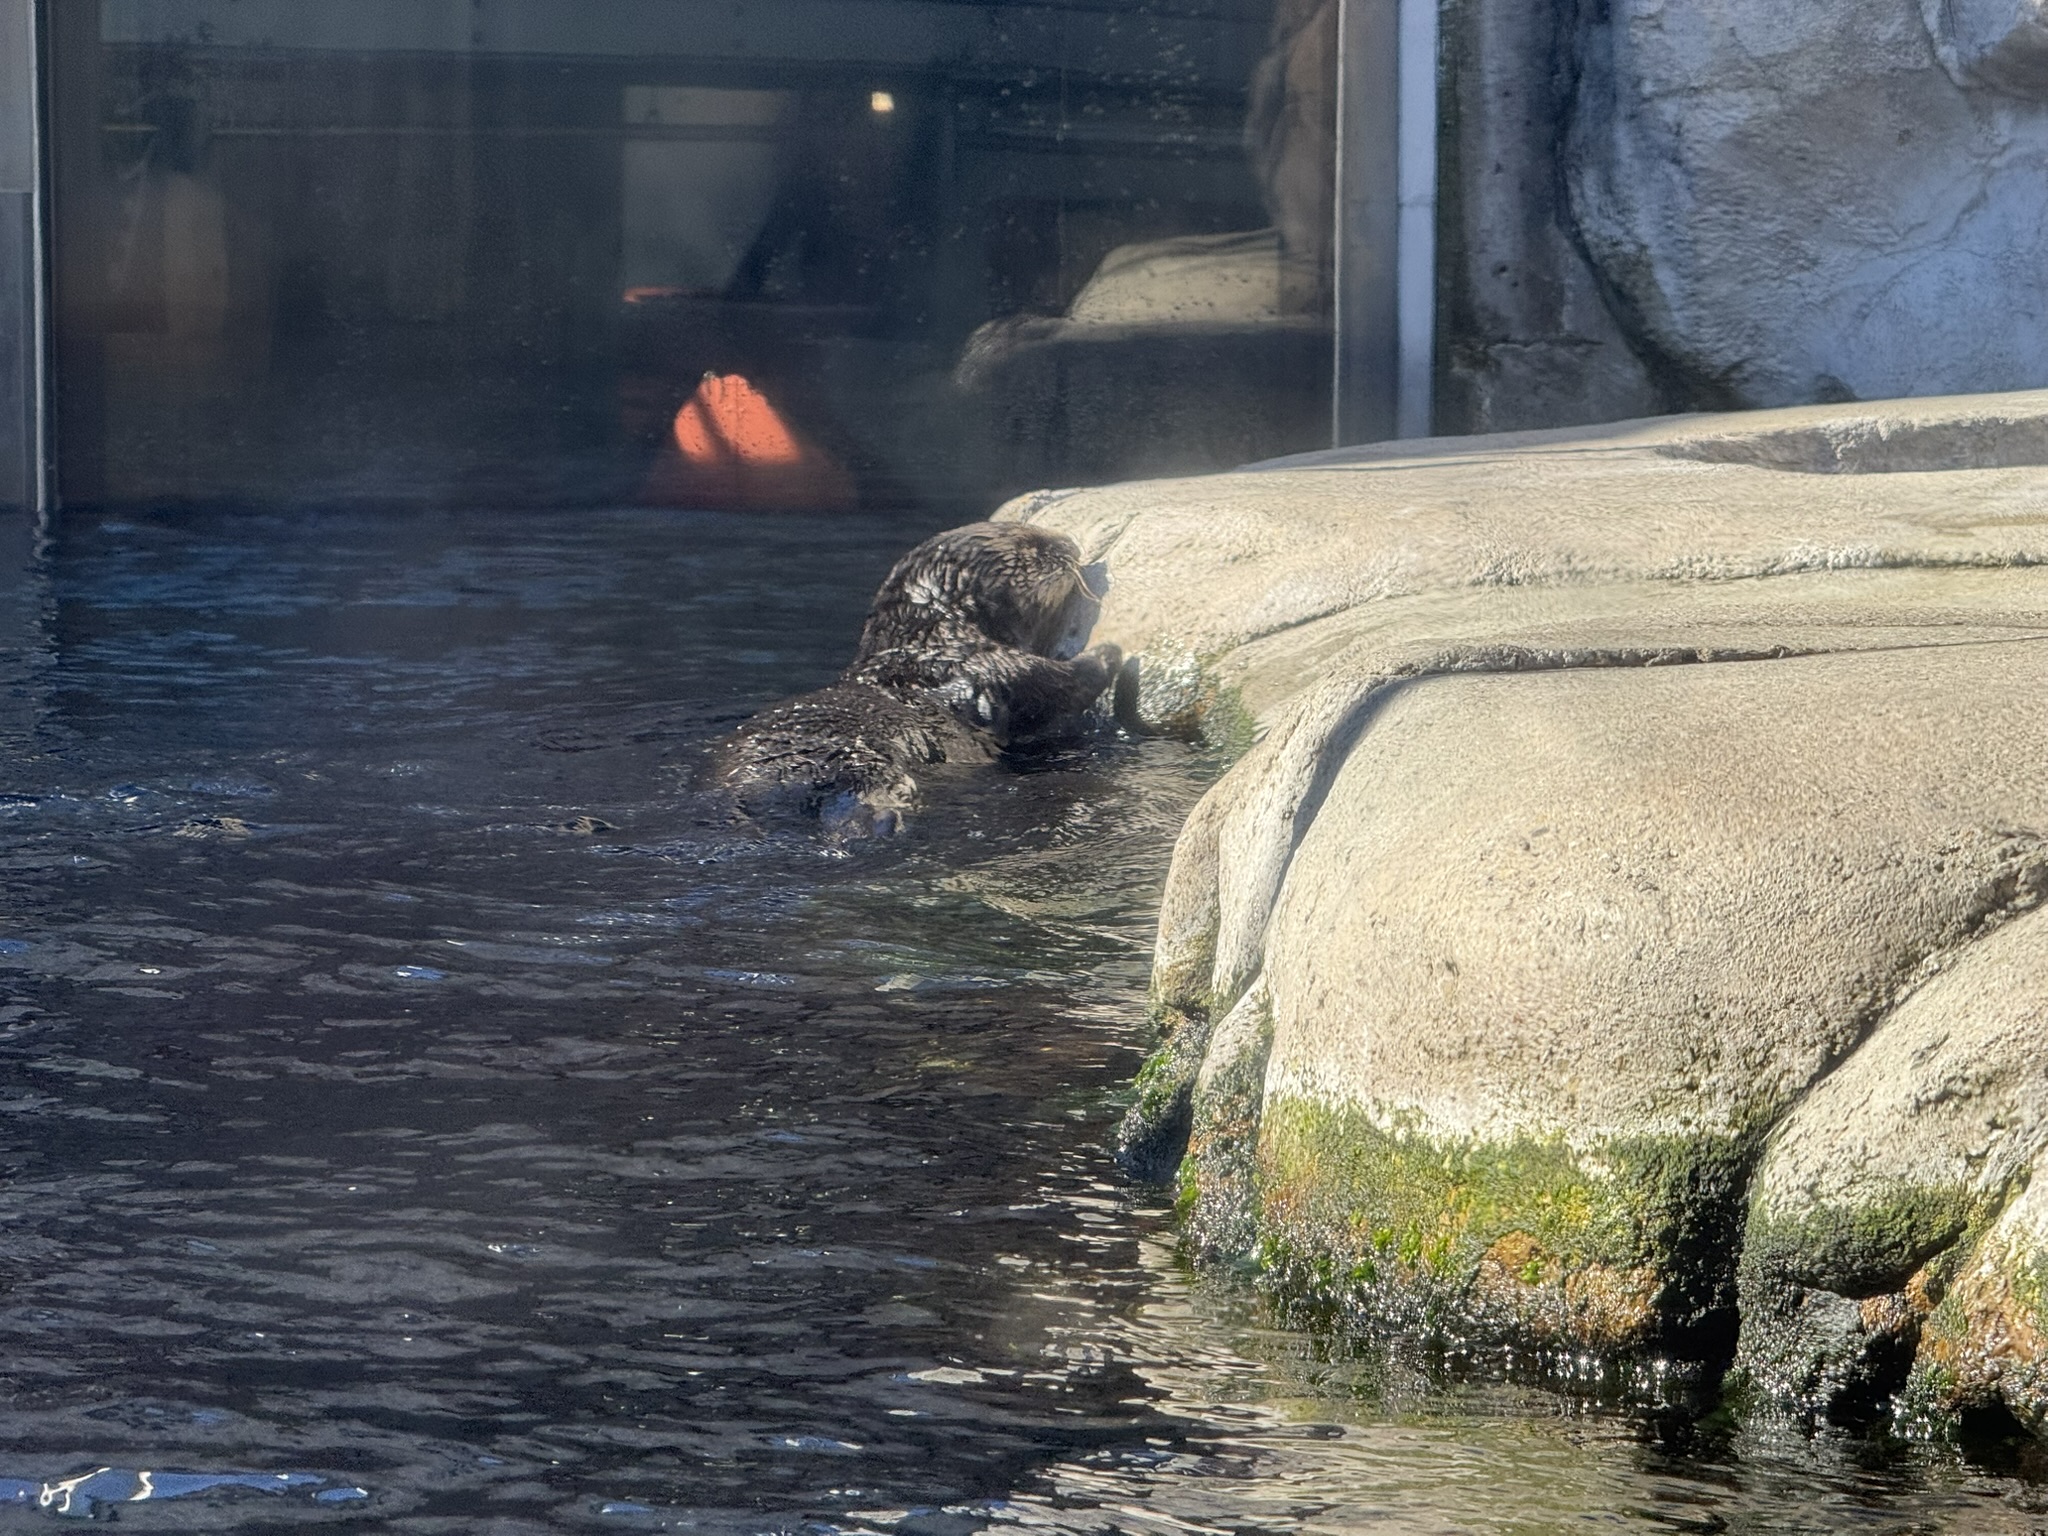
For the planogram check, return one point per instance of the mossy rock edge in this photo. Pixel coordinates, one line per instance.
(1621, 1249)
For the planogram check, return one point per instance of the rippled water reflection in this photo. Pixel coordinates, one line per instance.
(413, 1116)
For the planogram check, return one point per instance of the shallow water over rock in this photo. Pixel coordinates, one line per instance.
(415, 1114)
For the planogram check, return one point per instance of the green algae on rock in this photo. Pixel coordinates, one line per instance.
(1525, 1234)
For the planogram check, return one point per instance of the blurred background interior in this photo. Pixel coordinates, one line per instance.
(487, 252)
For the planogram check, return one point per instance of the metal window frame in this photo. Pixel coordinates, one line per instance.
(1384, 326)
(43, 420)
(29, 482)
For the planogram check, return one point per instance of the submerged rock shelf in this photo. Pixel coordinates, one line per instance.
(1621, 929)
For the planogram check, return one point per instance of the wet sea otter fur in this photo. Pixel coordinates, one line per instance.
(973, 647)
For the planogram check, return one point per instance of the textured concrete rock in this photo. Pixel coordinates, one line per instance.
(1648, 206)
(1622, 923)
(1558, 948)
(1189, 354)
(1229, 279)
(1529, 339)
(1291, 132)
(1986, 1344)
(1102, 401)
(1865, 1194)
(1195, 353)
(1174, 356)
(1998, 43)
(1818, 202)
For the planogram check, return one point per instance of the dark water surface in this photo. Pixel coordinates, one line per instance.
(413, 1117)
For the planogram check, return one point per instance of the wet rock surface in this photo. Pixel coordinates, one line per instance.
(1621, 932)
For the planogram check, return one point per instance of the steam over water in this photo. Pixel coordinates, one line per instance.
(415, 1116)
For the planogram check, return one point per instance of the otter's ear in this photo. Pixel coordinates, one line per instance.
(1095, 577)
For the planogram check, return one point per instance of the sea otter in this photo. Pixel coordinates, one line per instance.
(973, 647)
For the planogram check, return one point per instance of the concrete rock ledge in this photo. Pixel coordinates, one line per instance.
(1622, 927)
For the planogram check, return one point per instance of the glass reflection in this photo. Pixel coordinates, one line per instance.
(494, 253)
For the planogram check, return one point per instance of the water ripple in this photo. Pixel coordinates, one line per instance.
(405, 1083)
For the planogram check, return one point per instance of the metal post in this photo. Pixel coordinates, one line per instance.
(1366, 318)
(1386, 219)
(1415, 279)
(24, 319)
(74, 249)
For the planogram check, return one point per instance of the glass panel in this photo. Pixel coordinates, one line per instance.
(805, 252)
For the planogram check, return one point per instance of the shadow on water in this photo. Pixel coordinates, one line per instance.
(414, 1112)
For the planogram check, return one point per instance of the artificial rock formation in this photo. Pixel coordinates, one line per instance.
(1193, 353)
(1623, 923)
(1175, 357)
(1819, 202)
(1655, 207)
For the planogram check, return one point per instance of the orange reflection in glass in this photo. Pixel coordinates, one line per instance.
(729, 420)
(730, 447)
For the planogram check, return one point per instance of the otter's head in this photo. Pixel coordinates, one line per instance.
(1017, 585)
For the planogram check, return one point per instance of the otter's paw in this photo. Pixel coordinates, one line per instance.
(847, 816)
(1100, 663)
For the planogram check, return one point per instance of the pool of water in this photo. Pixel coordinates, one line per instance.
(417, 1112)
